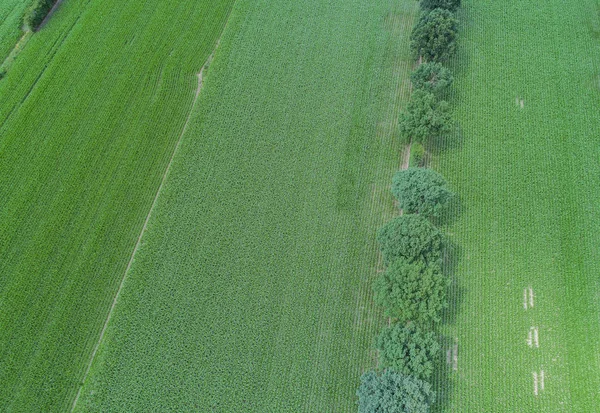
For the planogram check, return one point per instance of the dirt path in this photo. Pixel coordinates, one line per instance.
(154, 202)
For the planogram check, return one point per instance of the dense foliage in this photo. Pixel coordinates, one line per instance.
(411, 237)
(408, 349)
(432, 77)
(451, 5)
(434, 36)
(392, 392)
(425, 118)
(421, 191)
(412, 291)
(37, 12)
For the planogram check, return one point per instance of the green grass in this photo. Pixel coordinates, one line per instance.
(252, 288)
(528, 180)
(89, 117)
(11, 20)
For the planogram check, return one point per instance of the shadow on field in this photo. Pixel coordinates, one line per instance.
(442, 384)
(452, 141)
(456, 292)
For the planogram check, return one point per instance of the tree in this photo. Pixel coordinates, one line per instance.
(432, 77)
(434, 36)
(411, 237)
(412, 291)
(421, 191)
(417, 154)
(451, 5)
(393, 392)
(407, 349)
(425, 118)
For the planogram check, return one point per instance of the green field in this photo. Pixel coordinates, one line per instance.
(90, 113)
(216, 246)
(528, 177)
(11, 20)
(251, 291)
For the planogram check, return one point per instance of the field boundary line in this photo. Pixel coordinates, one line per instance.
(154, 202)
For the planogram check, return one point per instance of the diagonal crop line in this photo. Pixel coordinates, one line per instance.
(154, 202)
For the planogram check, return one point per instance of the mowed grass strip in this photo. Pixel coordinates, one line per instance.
(526, 167)
(89, 117)
(252, 288)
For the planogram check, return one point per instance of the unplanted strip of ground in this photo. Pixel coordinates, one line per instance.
(251, 291)
(89, 115)
(526, 166)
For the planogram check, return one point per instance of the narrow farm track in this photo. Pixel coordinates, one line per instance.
(91, 112)
(253, 281)
(525, 310)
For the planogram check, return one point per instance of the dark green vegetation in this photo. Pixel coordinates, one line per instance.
(411, 237)
(425, 119)
(391, 392)
(451, 5)
(422, 191)
(412, 291)
(432, 77)
(434, 36)
(252, 288)
(90, 113)
(408, 349)
(37, 12)
(525, 163)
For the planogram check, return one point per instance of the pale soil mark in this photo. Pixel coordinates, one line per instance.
(145, 226)
(528, 298)
(538, 382)
(533, 337)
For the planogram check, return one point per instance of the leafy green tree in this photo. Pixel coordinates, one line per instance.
(393, 392)
(425, 118)
(434, 36)
(407, 349)
(432, 77)
(451, 5)
(411, 237)
(421, 191)
(412, 291)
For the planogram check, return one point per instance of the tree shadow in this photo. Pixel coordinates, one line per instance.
(444, 369)
(456, 292)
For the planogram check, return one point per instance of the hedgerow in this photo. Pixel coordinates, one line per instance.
(432, 77)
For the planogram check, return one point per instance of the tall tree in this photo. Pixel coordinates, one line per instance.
(451, 5)
(408, 349)
(411, 237)
(434, 36)
(421, 191)
(425, 118)
(412, 291)
(393, 392)
(432, 77)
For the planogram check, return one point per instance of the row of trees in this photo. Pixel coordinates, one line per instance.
(412, 289)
